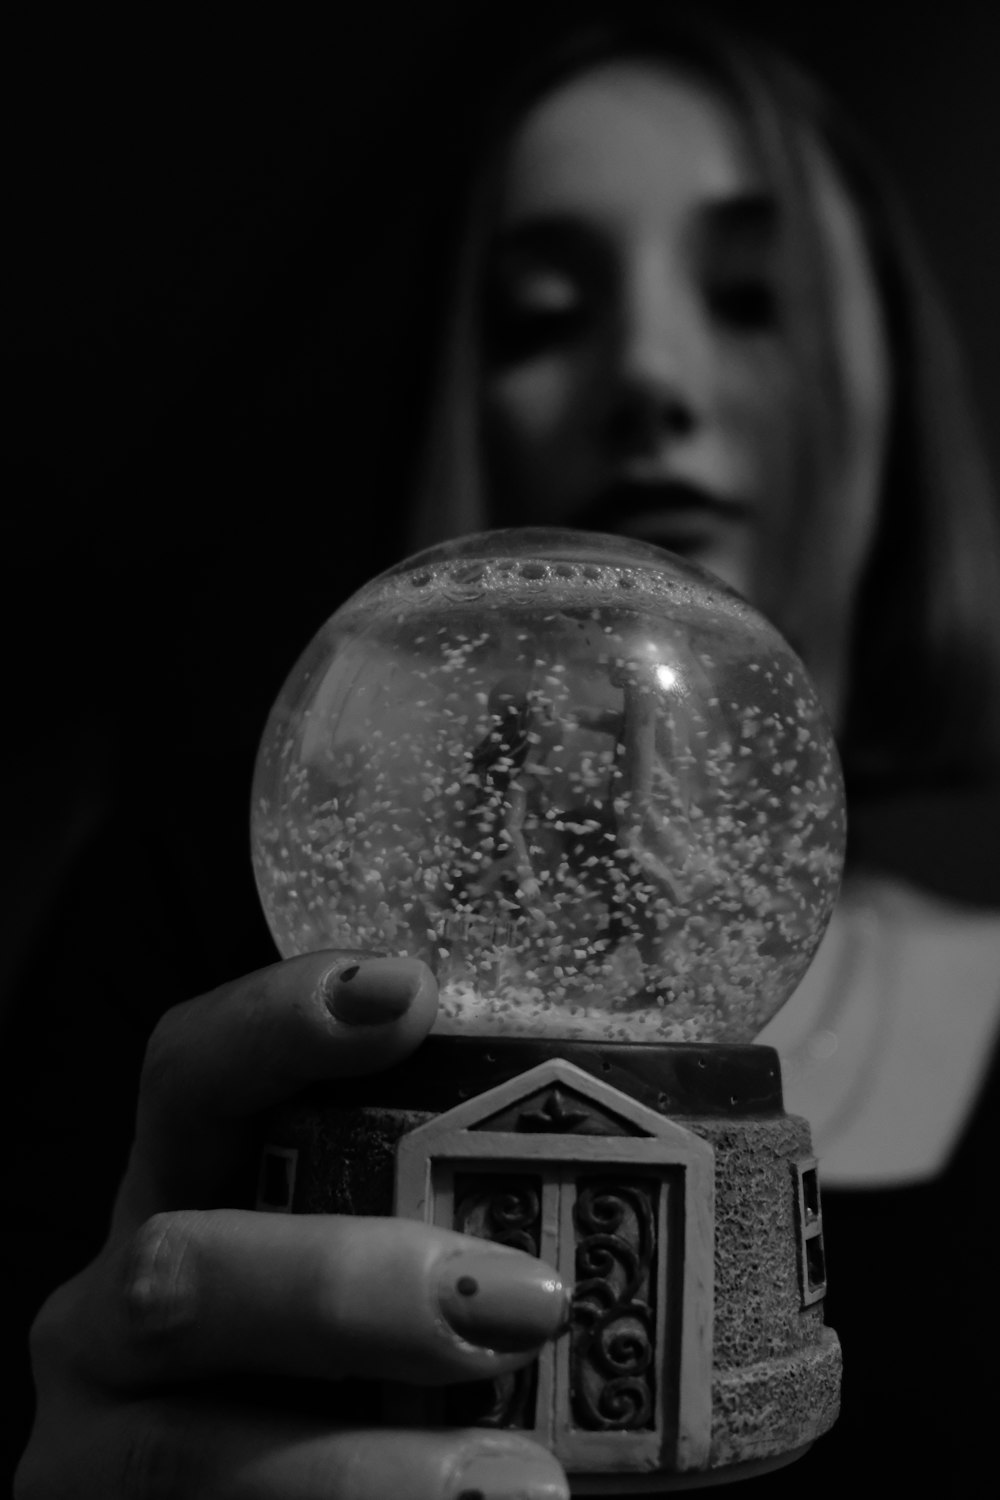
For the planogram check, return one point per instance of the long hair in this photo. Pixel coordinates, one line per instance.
(920, 632)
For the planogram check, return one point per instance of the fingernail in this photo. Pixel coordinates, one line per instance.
(372, 991)
(509, 1476)
(504, 1302)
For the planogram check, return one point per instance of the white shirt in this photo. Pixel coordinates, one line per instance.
(886, 1042)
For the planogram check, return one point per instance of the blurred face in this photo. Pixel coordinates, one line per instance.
(637, 378)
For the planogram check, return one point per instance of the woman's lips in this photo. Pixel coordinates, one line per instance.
(669, 513)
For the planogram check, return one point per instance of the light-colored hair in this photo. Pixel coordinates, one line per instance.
(922, 631)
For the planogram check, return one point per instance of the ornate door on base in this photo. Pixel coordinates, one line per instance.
(626, 1219)
(609, 1237)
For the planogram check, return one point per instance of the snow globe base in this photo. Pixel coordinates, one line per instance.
(668, 1186)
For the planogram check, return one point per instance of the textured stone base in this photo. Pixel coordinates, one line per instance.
(759, 1411)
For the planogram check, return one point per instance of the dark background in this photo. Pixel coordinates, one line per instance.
(184, 502)
(162, 175)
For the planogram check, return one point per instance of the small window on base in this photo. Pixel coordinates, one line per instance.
(276, 1180)
(812, 1257)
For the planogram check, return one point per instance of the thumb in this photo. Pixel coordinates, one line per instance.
(216, 1062)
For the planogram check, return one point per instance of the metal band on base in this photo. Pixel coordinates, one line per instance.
(687, 1078)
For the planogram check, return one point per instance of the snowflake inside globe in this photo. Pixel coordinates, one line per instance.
(587, 783)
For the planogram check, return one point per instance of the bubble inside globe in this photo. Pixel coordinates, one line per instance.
(587, 783)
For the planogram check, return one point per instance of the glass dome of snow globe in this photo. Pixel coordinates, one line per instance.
(585, 781)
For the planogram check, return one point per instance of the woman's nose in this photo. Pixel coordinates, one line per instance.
(659, 376)
(649, 410)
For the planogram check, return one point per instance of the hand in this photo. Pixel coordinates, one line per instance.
(173, 1364)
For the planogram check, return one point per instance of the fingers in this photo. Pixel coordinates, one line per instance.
(209, 1296)
(226, 1292)
(209, 1452)
(215, 1061)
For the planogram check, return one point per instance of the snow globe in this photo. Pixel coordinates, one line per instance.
(595, 790)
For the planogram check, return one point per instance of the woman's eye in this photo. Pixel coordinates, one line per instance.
(544, 293)
(528, 317)
(749, 305)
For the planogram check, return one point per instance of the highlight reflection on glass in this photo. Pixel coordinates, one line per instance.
(586, 782)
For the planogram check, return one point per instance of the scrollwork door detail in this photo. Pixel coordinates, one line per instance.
(613, 1334)
(505, 1208)
(607, 1246)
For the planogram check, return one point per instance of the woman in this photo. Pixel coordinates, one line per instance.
(715, 333)
(770, 421)
(717, 347)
